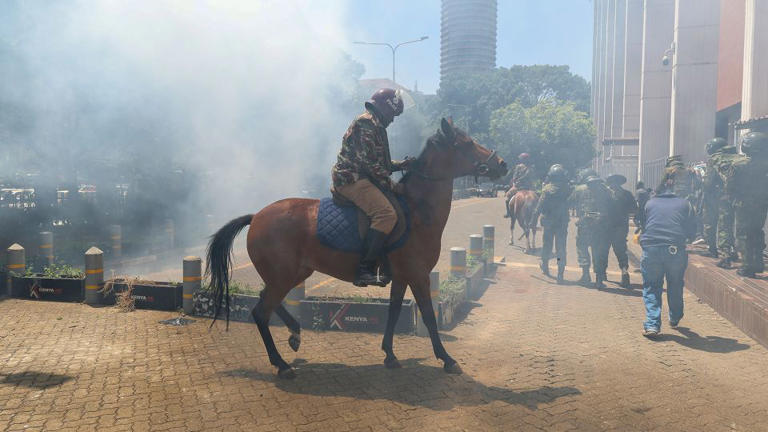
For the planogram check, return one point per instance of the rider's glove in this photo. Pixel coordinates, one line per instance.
(403, 164)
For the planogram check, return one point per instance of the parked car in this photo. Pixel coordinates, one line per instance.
(486, 190)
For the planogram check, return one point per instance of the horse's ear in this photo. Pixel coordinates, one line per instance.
(446, 127)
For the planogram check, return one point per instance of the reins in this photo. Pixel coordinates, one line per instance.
(480, 167)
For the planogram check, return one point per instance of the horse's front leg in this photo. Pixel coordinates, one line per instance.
(396, 293)
(420, 291)
(512, 231)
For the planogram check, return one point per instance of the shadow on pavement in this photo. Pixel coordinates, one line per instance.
(713, 344)
(415, 385)
(34, 379)
(635, 290)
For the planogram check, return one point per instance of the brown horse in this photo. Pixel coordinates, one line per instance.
(283, 245)
(521, 208)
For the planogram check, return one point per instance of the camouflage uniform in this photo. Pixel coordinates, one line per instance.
(721, 163)
(623, 205)
(593, 208)
(553, 207)
(364, 153)
(747, 183)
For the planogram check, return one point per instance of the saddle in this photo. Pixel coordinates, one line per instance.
(342, 226)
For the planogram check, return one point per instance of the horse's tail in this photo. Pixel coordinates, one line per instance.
(219, 261)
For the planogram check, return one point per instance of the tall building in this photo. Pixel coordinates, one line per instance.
(669, 75)
(467, 36)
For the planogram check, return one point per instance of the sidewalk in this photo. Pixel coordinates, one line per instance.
(742, 301)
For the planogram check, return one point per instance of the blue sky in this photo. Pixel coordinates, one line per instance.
(529, 32)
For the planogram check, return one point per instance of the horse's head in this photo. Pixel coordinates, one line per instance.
(452, 153)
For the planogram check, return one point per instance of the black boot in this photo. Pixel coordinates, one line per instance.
(585, 278)
(544, 266)
(599, 279)
(560, 274)
(373, 246)
(725, 263)
(625, 278)
(744, 272)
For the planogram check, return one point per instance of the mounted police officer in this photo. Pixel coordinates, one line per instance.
(362, 175)
(553, 208)
(747, 182)
(623, 205)
(522, 179)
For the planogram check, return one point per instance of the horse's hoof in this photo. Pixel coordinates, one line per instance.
(392, 364)
(287, 373)
(453, 368)
(294, 341)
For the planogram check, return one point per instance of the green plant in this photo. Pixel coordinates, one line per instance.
(452, 289)
(54, 271)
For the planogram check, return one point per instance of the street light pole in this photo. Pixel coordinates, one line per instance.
(393, 49)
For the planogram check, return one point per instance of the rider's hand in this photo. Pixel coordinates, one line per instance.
(403, 164)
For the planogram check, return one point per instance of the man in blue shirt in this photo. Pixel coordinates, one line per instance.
(669, 222)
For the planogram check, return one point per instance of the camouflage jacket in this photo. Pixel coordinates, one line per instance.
(522, 178)
(364, 153)
(747, 179)
(686, 181)
(553, 204)
(722, 162)
(713, 182)
(593, 205)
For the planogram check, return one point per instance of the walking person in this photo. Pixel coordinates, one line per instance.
(580, 201)
(553, 208)
(670, 222)
(624, 205)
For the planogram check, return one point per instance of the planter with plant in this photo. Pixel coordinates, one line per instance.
(453, 292)
(242, 299)
(143, 293)
(57, 282)
(475, 274)
(355, 313)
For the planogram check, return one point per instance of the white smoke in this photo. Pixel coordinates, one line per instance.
(249, 93)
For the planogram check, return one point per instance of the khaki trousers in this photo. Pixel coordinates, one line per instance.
(371, 201)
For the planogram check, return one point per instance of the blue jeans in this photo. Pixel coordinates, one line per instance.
(659, 262)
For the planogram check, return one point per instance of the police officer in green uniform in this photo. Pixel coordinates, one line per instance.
(624, 205)
(747, 182)
(712, 188)
(584, 224)
(722, 162)
(595, 205)
(553, 208)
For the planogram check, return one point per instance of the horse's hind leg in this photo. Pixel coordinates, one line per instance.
(420, 291)
(267, 303)
(512, 229)
(293, 325)
(396, 293)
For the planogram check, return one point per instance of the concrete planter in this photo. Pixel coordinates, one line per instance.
(240, 306)
(369, 315)
(148, 295)
(475, 286)
(38, 287)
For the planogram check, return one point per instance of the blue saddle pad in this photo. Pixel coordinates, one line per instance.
(337, 227)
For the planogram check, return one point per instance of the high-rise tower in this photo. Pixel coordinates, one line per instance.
(467, 36)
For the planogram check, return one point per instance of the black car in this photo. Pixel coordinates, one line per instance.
(486, 190)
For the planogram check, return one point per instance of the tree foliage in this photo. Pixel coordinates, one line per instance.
(472, 98)
(551, 131)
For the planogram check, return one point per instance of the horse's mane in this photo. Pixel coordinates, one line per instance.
(435, 139)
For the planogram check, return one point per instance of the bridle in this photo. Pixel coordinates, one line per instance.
(480, 168)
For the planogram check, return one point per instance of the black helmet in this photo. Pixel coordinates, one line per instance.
(586, 173)
(676, 160)
(556, 172)
(754, 142)
(715, 144)
(387, 103)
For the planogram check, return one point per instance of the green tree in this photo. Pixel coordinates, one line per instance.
(551, 131)
(472, 98)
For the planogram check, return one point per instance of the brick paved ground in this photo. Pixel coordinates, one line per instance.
(536, 356)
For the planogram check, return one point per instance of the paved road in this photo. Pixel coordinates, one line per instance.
(536, 356)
